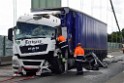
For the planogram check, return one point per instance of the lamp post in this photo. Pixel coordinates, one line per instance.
(111, 3)
(14, 12)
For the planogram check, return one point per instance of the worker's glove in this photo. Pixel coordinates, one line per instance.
(63, 60)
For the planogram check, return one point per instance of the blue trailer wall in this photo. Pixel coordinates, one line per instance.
(89, 31)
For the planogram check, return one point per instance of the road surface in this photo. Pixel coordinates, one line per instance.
(116, 65)
(104, 75)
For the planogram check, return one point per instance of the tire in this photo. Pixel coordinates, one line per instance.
(57, 66)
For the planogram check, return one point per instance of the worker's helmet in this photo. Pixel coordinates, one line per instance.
(79, 44)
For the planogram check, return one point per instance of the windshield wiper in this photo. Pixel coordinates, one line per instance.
(37, 37)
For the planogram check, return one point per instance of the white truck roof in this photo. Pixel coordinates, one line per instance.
(51, 20)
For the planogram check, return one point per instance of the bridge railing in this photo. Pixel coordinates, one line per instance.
(114, 47)
(5, 51)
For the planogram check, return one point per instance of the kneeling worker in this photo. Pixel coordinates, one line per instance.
(79, 56)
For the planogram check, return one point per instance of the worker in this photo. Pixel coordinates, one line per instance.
(62, 45)
(79, 56)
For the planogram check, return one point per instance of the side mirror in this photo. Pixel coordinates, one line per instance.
(10, 34)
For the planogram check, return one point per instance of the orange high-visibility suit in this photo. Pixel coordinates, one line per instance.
(79, 51)
(79, 55)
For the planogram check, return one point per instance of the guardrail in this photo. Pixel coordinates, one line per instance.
(5, 50)
(114, 47)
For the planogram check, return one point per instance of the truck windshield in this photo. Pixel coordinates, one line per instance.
(28, 30)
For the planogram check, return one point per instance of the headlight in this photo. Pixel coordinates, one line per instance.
(15, 62)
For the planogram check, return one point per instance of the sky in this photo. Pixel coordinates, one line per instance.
(7, 17)
(99, 9)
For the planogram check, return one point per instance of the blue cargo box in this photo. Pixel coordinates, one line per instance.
(92, 33)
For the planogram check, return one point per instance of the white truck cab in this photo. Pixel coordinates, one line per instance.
(34, 44)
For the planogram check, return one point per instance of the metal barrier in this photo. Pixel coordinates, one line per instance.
(114, 47)
(5, 50)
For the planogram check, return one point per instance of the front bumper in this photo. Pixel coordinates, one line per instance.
(35, 69)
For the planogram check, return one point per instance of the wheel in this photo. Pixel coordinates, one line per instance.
(57, 66)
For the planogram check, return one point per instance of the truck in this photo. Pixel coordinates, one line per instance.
(35, 49)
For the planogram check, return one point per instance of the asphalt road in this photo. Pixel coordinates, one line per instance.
(116, 66)
(117, 79)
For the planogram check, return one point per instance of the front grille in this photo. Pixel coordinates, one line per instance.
(37, 57)
(31, 63)
(32, 49)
